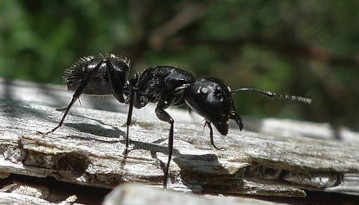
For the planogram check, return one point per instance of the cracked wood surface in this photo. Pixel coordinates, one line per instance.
(87, 150)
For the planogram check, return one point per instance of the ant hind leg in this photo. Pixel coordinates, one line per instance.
(76, 95)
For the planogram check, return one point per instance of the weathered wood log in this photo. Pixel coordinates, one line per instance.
(138, 194)
(87, 150)
(20, 193)
(12, 198)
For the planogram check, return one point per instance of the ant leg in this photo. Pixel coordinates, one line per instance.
(130, 100)
(129, 118)
(75, 96)
(211, 136)
(117, 81)
(234, 116)
(164, 116)
(63, 109)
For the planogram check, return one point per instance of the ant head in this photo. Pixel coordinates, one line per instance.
(212, 99)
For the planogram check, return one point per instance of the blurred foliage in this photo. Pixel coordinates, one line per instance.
(307, 48)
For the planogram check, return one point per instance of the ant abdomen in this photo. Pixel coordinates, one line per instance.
(99, 83)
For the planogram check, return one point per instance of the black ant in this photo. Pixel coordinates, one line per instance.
(164, 85)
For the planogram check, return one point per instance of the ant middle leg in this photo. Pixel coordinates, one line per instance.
(130, 100)
(164, 116)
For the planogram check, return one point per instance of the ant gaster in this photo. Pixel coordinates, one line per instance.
(164, 85)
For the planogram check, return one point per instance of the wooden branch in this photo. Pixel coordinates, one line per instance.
(87, 150)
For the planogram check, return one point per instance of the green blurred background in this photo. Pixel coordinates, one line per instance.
(307, 48)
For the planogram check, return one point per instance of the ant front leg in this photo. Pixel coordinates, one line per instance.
(164, 116)
(76, 95)
(211, 136)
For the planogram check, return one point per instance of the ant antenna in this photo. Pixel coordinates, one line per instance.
(275, 95)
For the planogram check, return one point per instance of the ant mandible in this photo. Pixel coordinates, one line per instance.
(164, 85)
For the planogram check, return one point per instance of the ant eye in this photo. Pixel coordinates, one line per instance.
(204, 90)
